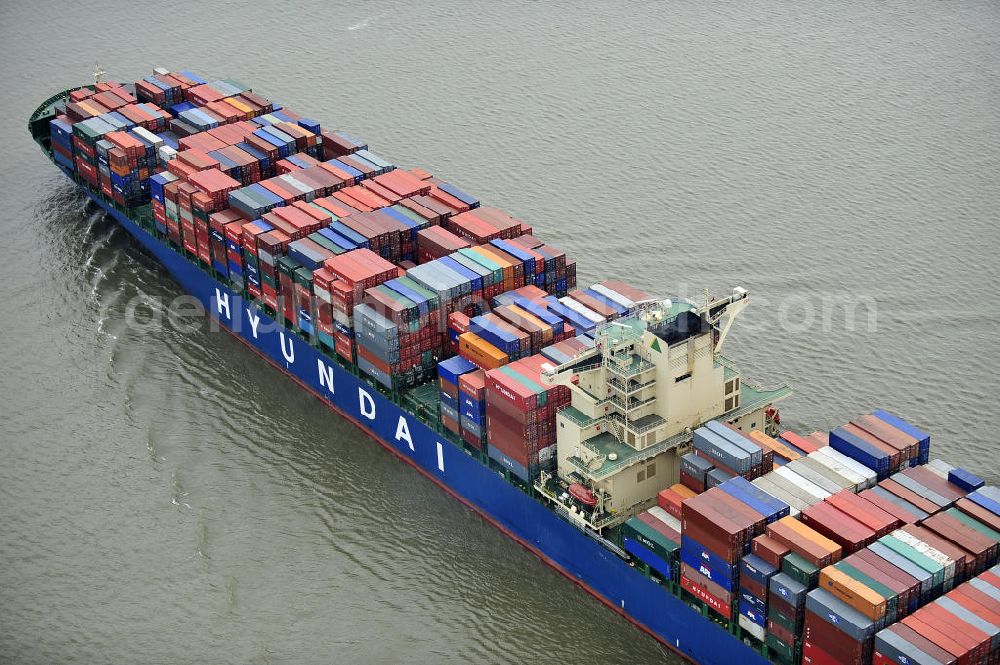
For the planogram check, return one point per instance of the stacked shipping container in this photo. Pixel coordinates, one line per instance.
(521, 416)
(819, 587)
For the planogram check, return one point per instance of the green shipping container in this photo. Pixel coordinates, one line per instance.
(662, 546)
(785, 653)
(432, 298)
(287, 265)
(414, 217)
(784, 621)
(304, 276)
(326, 243)
(527, 383)
(934, 568)
(973, 523)
(800, 570)
(495, 268)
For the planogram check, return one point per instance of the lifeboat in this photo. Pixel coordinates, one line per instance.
(583, 495)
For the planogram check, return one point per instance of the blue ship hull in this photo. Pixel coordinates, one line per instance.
(561, 545)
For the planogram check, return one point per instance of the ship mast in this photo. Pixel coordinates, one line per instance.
(98, 73)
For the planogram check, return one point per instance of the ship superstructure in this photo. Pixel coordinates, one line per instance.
(652, 378)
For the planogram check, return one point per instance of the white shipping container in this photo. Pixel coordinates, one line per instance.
(815, 477)
(148, 136)
(582, 310)
(166, 153)
(856, 479)
(940, 467)
(824, 466)
(871, 478)
(798, 481)
(614, 296)
(666, 518)
(752, 628)
(777, 486)
(935, 555)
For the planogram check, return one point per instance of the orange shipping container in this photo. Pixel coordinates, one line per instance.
(480, 352)
(766, 442)
(814, 547)
(684, 491)
(854, 593)
(671, 498)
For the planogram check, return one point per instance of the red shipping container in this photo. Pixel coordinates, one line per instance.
(692, 483)
(344, 347)
(977, 551)
(770, 550)
(896, 457)
(380, 191)
(894, 585)
(447, 199)
(365, 196)
(440, 211)
(594, 304)
(779, 631)
(202, 241)
(901, 576)
(839, 527)
(973, 509)
(660, 526)
(864, 512)
(989, 611)
(891, 507)
(715, 537)
(472, 439)
(934, 483)
(753, 587)
(402, 183)
(788, 531)
(887, 432)
(976, 640)
(823, 644)
(978, 596)
(922, 643)
(701, 588)
(670, 501)
(907, 495)
(938, 635)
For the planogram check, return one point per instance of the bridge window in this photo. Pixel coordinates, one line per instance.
(651, 470)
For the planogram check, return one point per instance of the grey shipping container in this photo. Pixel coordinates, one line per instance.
(816, 477)
(718, 448)
(839, 614)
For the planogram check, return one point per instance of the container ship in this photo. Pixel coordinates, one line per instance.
(600, 427)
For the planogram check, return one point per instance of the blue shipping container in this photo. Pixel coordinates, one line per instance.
(858, 449)
(770, 507)
(923, 439)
